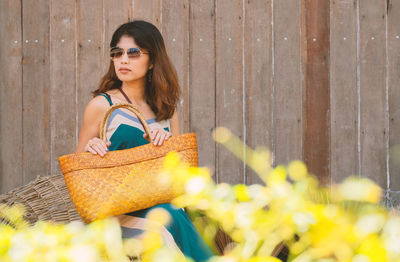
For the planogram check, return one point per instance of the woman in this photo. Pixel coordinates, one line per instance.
(140, 73)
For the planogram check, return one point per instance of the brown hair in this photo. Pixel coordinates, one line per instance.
(162, 90)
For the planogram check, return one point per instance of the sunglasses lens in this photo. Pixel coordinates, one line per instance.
(133, 52)
(116, 53)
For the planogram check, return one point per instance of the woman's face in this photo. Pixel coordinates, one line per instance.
(131, 69)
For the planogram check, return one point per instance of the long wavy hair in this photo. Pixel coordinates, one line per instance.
(162, 89)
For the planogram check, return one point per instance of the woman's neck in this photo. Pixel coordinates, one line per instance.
(135, 91)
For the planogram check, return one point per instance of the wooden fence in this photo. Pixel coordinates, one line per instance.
(316, 80)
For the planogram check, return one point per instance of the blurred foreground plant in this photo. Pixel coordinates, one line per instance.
(45, 241)
(341, 223)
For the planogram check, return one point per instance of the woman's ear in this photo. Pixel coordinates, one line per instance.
(151, 66)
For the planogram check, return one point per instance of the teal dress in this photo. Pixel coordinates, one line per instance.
(125, 131)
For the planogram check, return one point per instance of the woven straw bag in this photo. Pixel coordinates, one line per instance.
(123, 180)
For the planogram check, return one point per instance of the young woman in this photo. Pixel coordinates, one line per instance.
(140, 73)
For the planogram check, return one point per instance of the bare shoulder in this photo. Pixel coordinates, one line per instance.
(97, 103)
(96, 108)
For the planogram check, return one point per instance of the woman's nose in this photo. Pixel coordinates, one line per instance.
(125, 58)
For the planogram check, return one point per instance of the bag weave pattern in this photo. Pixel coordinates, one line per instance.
(123, 181)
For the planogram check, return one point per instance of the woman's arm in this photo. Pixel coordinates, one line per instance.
(175, 123)
(92, 117)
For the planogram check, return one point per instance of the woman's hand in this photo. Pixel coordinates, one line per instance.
(158, 136)
(97, 146)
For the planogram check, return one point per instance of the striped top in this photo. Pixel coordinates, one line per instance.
(125, 131)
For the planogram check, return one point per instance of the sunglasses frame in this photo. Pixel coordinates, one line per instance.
(126, 50)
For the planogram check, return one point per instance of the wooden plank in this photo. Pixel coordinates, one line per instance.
(11, 170)
(229, 84)
(258, 80)
(373, 131)
(36, 89)
(63, 108)
(202, 78)
(344, 97)
(316, 120)
(393, 55)
(114, 15)
(175, 25)
(149, 11)
(287, 82)
(90, 58)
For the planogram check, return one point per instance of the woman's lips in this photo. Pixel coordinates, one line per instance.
(124, 71)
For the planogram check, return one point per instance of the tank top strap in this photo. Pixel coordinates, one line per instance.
(107, 96)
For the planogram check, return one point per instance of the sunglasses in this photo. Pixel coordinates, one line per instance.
(118, 52)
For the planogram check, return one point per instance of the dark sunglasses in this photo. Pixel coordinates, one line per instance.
(118, 52)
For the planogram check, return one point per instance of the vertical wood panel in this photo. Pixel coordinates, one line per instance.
(229, 79)
(316, 120)
(373, 90)
(344, 95)
(10, 95)
(393, 38)
(62, 80)
(258, 77)
(36, 89)
(90, 59)
(175, 24)
(202, 78)
(114, 14)
(149, 11)
(287, 82)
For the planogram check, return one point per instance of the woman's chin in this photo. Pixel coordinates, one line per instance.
(125, 78)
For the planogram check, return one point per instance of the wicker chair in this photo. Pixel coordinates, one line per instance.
(45, 198)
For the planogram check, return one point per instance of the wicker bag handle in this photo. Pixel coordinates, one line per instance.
(133, 109)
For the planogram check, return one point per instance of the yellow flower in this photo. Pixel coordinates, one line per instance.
(262, 259)
(241, 192)
(297, 170)
(277, 176)
(373, 248)
(359, 189)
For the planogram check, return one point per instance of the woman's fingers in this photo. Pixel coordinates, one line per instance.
(97, 146)
(161, 140)
(159, 135)
(157, 138)
(92, 151)
(103, 146)
(98, 149)
(154, 134)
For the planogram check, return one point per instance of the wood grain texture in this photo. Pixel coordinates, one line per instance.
(229, 84)
(316, 120)
(63, 107)
(11, 158)
(149, 11)
(373, 132)
(175, 31)
(393, 40)
(202, 78)
(258, 78)
(287, 94)
(90, 57)
(36, 89)
(344, 95)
